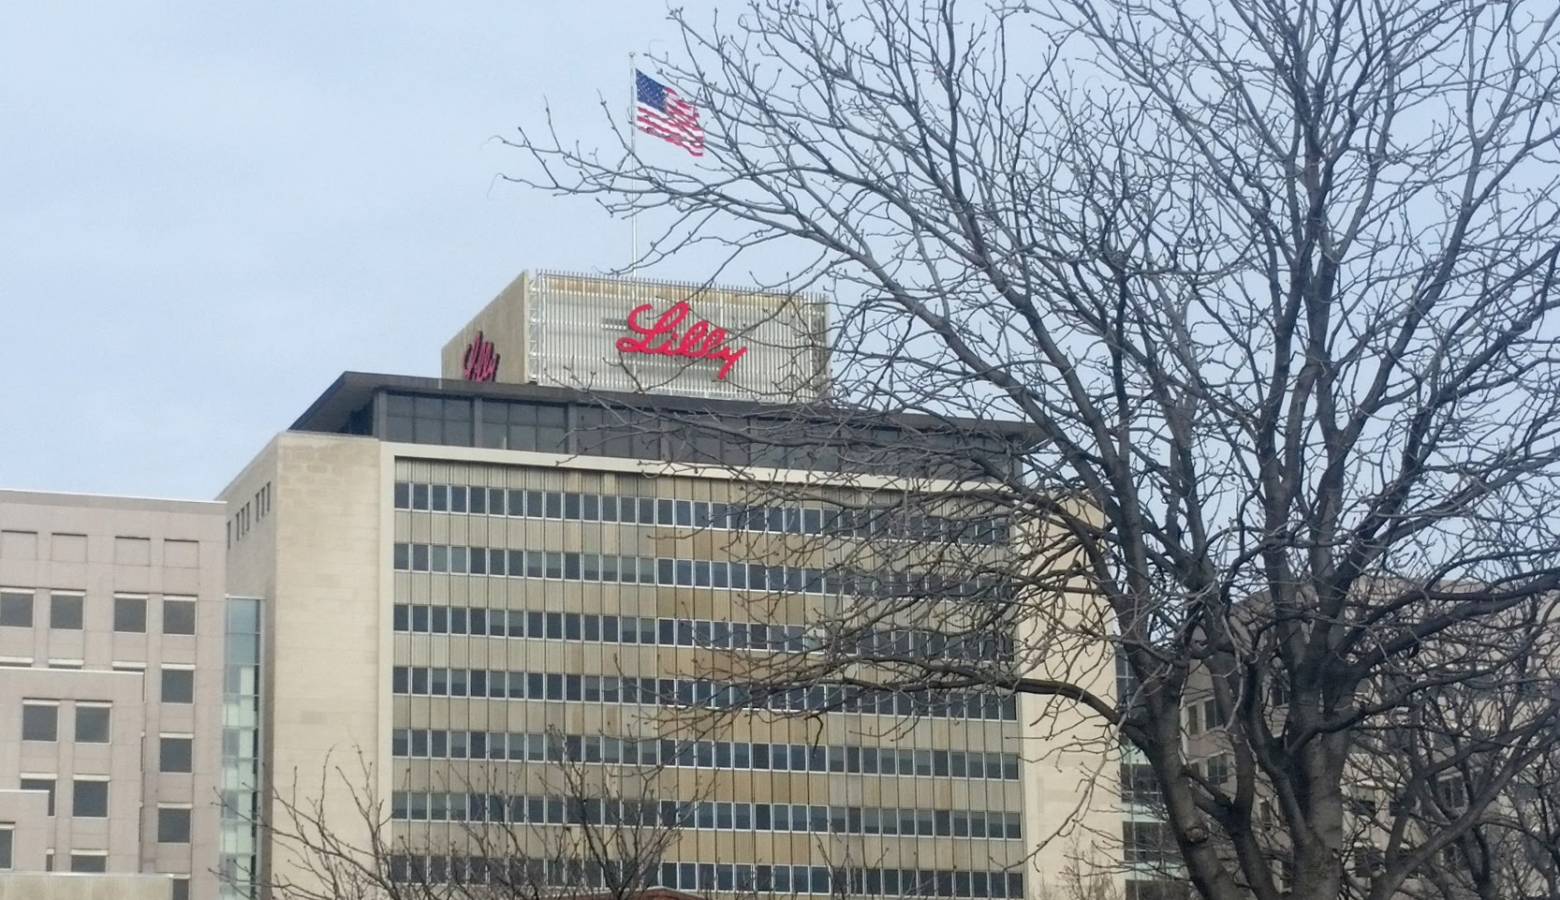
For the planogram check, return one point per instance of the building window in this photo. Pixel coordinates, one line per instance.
(173, 825)
(1139, 785)
(130, 614)
(178, 685)
(16, 609)
(524, 426)
(181, 889)
(40, 783)
(1148, 842)
(428, 420)
(1217, 769)
(178, 616)
(92, 724)
(89, 799)
(6, 832)
(40, 721)
(174, 754)
(1158, 889)
(65, 611)
(89, 862)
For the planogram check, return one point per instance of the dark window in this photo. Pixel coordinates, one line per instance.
(92, 724)
(65, 611)
(178, 686)
(40, 784)
(173, 825)
(1147, 842)
(40, 722)
(130, 614)
(1158, 889)
(88, 862)
(524, 426)
(178, 616)
(174, 754)
(16, 609)
(441, 420)
(89, 799)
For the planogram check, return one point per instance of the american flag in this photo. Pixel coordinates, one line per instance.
(660, 112)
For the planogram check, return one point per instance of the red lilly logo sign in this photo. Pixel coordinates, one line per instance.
(481, 360)
(666, 336)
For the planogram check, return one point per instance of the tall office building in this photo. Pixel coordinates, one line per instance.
(479, 581)
(111, 674)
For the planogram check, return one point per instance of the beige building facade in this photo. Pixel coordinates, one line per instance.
(493, 594)
(111, 694)
(601, 333)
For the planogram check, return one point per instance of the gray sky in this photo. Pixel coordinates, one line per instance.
(209, 211)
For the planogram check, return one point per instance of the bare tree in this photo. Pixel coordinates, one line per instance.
(1269, 286)
(582, 829)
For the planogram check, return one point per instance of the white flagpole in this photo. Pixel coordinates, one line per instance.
(633, 145)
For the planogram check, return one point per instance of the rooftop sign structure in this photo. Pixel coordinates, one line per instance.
(593, 332)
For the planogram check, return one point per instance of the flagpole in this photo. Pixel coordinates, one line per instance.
(633, 145)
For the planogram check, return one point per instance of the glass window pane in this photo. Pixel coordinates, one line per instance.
(130, 614)
(173, 826)
(88, 862)
(174, 754)
(40, 722)
(65, 611)
(40, 784)
(16, 609)
(178, 616)
(89, 798)
(178, 686)
(92, 724)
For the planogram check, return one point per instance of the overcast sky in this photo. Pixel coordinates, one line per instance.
(207, 212)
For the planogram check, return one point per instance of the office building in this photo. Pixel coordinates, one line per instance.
(477, 580)
(111, 684)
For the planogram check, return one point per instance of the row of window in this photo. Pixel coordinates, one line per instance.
(921, 643)
(438, 681)
(441, 806)
(88, 795)
(881, 522)
(785, 442)
(96, 862)
(66, 612)
(724, 877)
(89, 799)
(40, 722)
(595, 748)
(666, 572)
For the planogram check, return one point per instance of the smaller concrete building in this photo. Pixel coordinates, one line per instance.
(112, 619)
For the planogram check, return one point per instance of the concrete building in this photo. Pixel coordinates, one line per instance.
(476, 580)
(111, 688)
